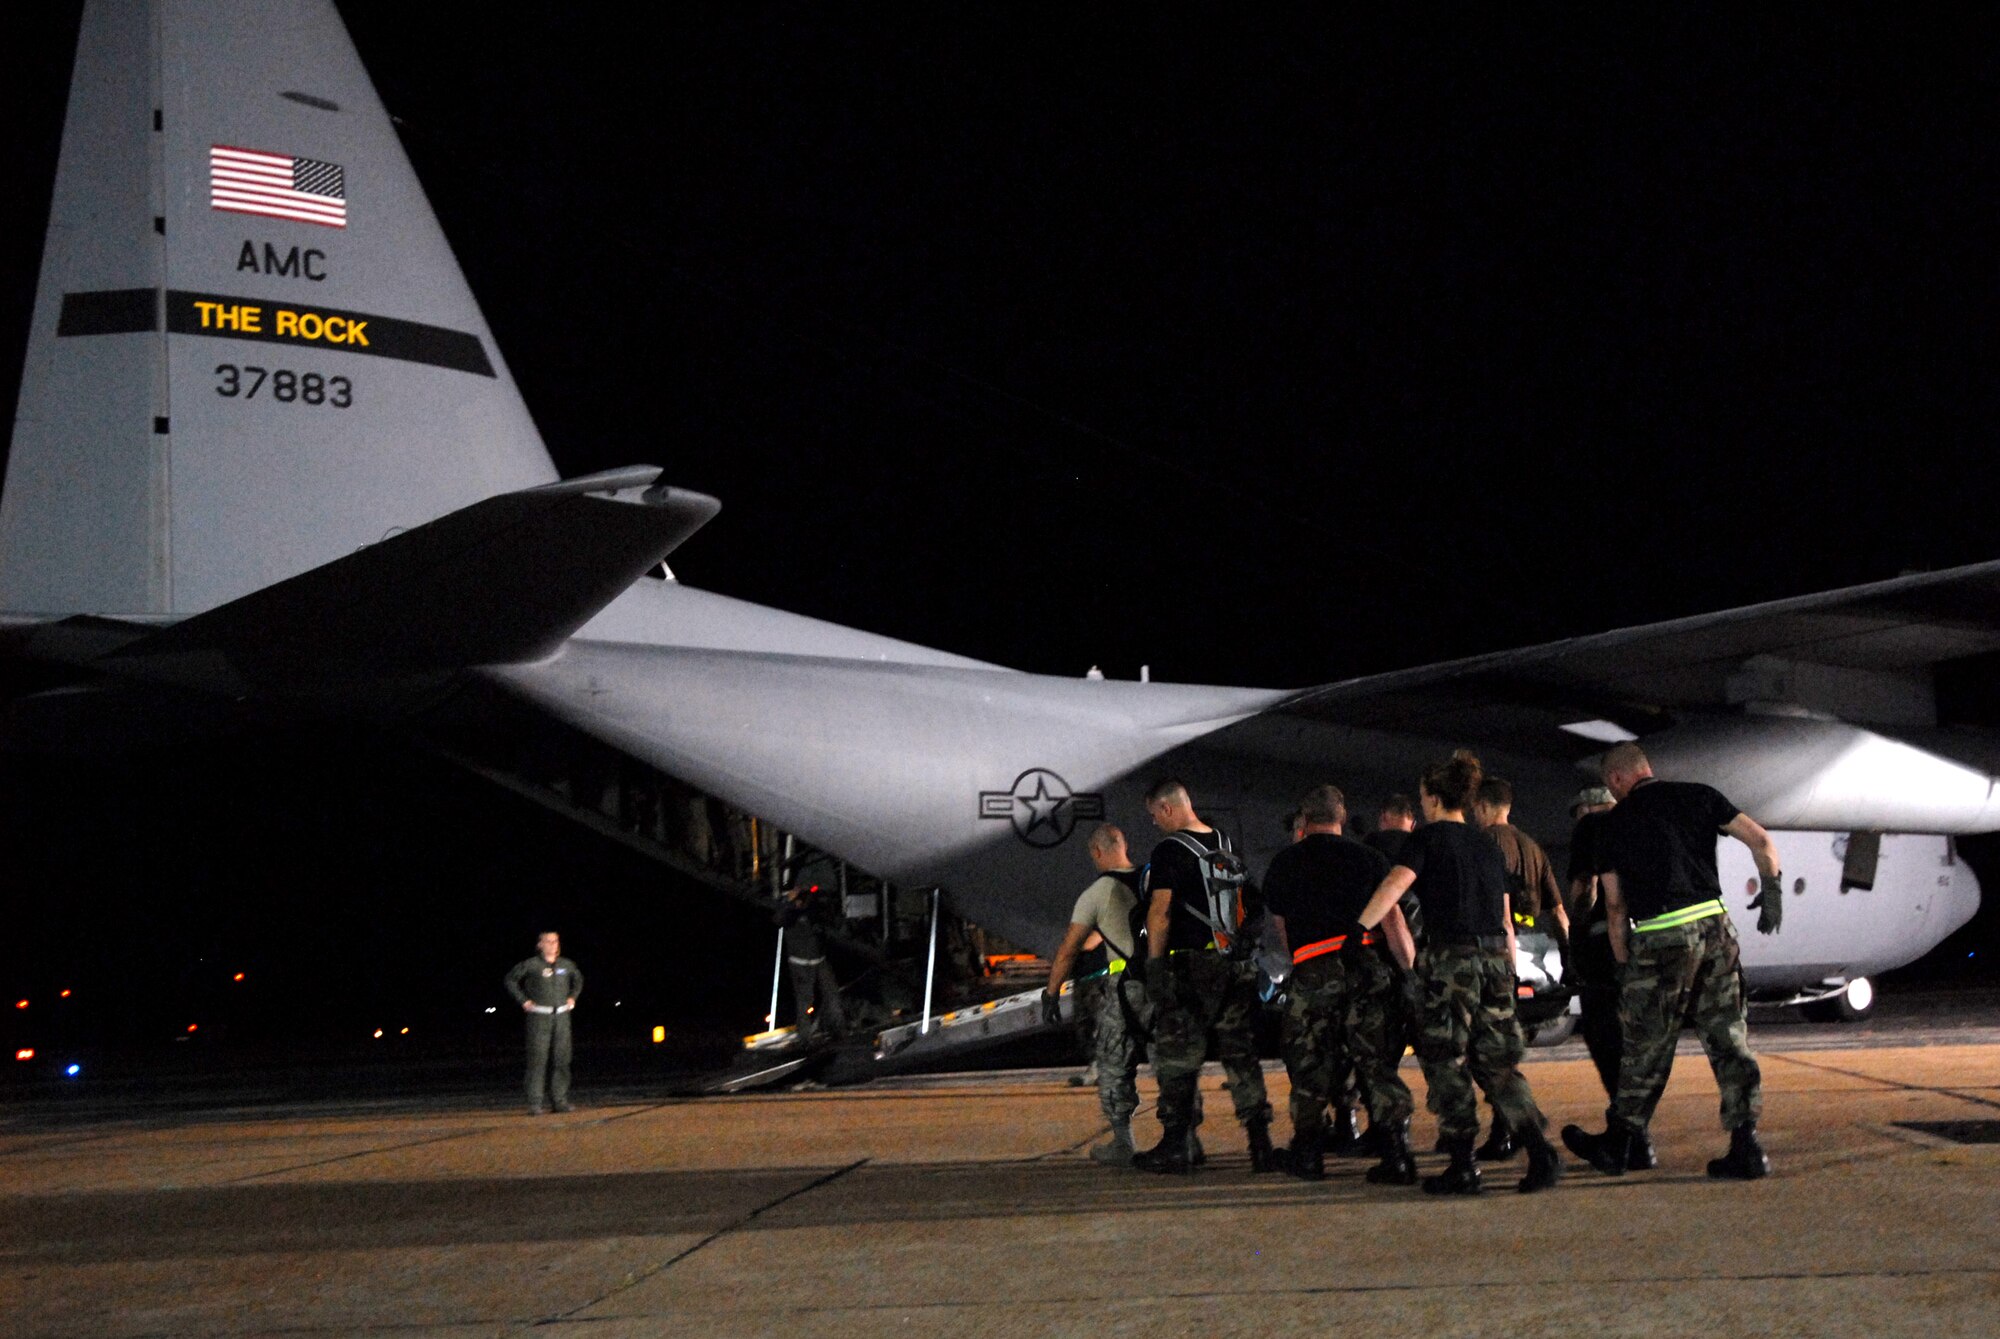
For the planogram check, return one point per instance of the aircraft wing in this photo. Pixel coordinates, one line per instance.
(1879, 655)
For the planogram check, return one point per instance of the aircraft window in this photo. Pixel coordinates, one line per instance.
(1864, 853)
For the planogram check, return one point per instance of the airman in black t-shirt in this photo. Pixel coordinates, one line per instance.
(1199, 994)
(1593, 972)
(1467, 967)
(1678, 954)
(1338, 1009)
(1394, 823)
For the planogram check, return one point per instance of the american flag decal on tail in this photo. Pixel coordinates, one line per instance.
(277, 185)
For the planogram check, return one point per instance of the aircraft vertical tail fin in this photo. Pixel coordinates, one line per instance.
(253, 351)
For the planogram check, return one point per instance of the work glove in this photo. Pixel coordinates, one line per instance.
(1351, 947)
(1051, 1009)
(1769, 904)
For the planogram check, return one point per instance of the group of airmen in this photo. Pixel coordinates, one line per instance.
(1407, 938)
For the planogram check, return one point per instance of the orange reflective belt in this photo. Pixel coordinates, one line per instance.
(1332, 945)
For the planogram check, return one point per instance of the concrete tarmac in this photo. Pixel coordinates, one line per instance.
(965, 1206)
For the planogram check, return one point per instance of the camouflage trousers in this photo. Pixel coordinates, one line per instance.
(1470, 1036)
(1086, 1005)
(1689, 974)
(1119, 1049)
(1210, 999)
(1340, 1018)
(1405, 1023)
(1595, 974)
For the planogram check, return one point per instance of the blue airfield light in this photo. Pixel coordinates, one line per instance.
(72, 1071)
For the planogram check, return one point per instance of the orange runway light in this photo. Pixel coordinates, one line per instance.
(193, 1026)
(20, 1004)
(659, 1034)
(404, 1033)
(25, 1053)
(378, 1034)
(65, 995)
(237, 977)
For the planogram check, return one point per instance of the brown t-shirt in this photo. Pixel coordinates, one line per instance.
(1530, 878)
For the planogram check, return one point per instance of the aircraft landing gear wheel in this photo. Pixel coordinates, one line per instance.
(1851, 1005)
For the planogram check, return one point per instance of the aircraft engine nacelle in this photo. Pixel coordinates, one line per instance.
(1789, 772)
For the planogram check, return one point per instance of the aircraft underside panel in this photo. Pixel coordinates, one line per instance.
(978, 780)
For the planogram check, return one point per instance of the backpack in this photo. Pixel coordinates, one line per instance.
(1136, 917)
(1223, 875)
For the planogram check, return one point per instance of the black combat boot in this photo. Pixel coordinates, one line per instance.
(1398, 1166)
(1347, 1141)
(1499, 1145)
(1745, 1160)
(1608, 1152)
(1169, 1155)
(1306, 1158)
(1642, 1157)
(1461, 1177)
(1545, 1165)
(1263, 1158)
(1197, 1156)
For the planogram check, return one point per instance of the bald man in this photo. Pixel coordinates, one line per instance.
(1105, 909)
(1678, 957)
(1201, 995)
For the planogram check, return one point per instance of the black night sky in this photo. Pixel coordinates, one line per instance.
(1058, 338)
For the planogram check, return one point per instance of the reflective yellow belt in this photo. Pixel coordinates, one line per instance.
(1117, 966)
(1700, 911)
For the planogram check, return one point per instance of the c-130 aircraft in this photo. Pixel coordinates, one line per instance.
(269, 459)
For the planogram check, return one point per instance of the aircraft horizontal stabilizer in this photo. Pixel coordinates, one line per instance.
(503, 581)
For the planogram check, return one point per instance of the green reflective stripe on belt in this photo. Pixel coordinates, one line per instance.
(1117, 966)
(1700, 911)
